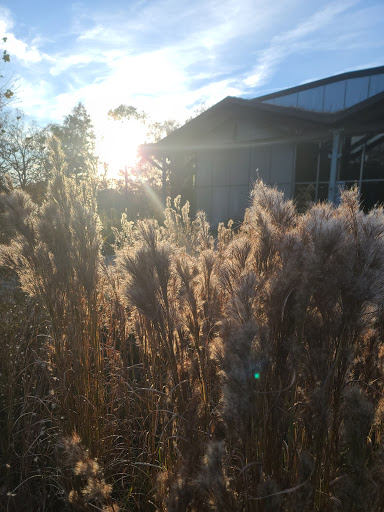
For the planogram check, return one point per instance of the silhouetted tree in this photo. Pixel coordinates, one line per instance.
(77, 139)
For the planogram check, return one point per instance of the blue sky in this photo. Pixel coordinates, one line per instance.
(169, 56)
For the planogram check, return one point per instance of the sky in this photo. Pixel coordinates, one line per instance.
(168, 57)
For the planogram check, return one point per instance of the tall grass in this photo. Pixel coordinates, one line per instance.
(243, 373)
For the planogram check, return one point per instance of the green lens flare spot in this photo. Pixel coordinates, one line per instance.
(257, 375)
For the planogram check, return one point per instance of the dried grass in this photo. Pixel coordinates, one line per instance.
(239, 374)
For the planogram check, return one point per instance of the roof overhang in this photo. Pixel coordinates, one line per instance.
(290, 125)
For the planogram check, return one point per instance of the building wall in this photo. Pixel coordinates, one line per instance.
(224, 177)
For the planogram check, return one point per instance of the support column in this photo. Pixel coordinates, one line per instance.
(334, 161)
(164, 181)
(362, 167)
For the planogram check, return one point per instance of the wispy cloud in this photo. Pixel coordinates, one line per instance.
(165, 56)
(62, 64)
(293, 41)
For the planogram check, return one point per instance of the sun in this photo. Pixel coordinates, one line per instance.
(117, 145)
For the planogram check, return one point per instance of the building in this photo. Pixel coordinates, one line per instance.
(308, 140)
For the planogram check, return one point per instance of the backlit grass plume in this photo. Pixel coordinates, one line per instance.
(243, 373)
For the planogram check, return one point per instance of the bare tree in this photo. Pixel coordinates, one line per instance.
(23, 150)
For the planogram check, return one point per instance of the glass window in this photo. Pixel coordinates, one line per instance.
(374, 158)
(372, 193)
(304, 195)
(322, 192)
(325, 160)
(350, 161)
(361, 162)
(313, 164)
(306, 161)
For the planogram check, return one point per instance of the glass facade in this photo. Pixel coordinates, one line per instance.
(361, 162)
(312, 169)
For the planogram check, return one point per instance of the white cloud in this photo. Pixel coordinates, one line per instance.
(6, 22)
(293, 41)
(21, 50)
(93, 34)
(158, 80)
(155, 82)
(16, 47)
(163, 63)
(32, 98)
(62, 64)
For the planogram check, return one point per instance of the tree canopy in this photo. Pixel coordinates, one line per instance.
(156, 130)
(77, 139)
(127, 112)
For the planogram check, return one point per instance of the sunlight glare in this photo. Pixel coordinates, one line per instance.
(118, 143)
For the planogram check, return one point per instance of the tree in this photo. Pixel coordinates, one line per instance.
(159, 175)
(156, 130)
(160, 129)
(23, 150)
(127, 112)
(149, 171)
(77, 140)
(55, 156)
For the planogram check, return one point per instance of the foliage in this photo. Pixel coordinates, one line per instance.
(239, 374)
(127, 112)
(159, 129)
(77, 140)
(156, 130)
